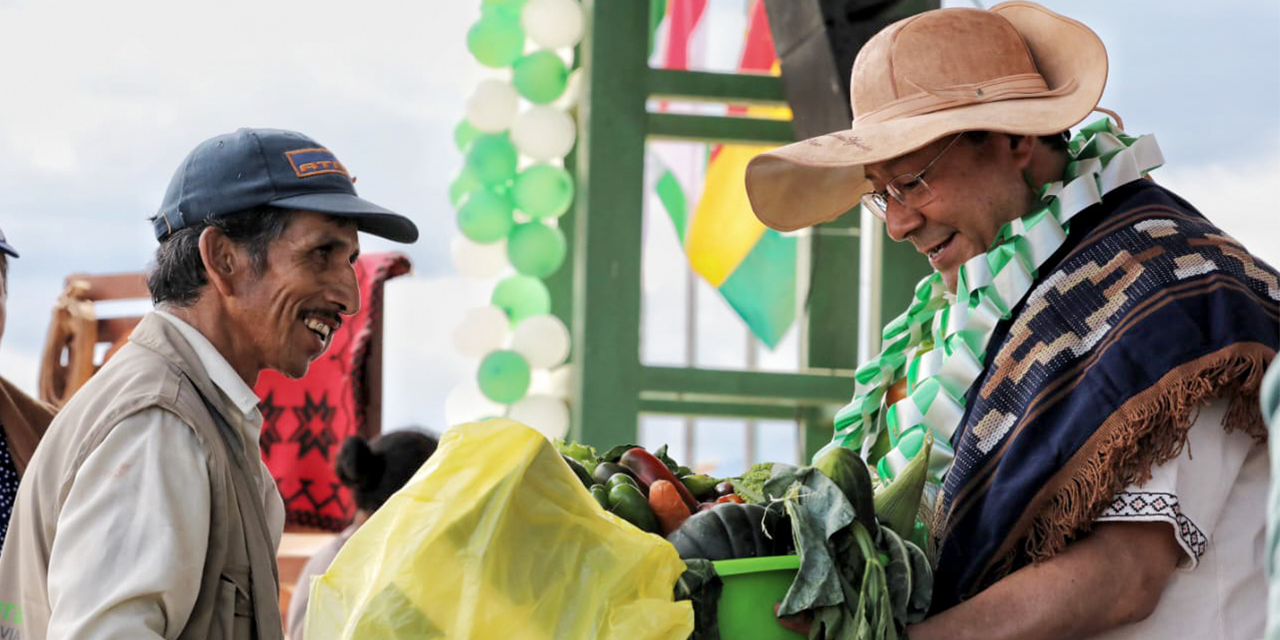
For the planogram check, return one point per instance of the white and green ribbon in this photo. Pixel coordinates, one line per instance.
(940, 342)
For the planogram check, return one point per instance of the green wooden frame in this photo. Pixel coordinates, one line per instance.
(598, 293)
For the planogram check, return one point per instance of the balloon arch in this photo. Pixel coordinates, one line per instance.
(509, 196)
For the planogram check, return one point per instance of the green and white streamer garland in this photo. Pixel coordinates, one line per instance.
(940, 342)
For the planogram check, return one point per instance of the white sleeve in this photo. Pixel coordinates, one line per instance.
(132, 535)
(1189, 491)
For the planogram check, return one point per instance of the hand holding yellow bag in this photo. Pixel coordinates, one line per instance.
(495, 538)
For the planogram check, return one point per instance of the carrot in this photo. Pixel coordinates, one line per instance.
(668, 505)
(732, 497)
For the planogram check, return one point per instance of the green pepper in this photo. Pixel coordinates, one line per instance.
(606, 470)
(578, 470)
(621, 478)
(699, 485)
(601, 495)
(627, 502)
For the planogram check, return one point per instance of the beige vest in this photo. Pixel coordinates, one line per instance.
(238, 595)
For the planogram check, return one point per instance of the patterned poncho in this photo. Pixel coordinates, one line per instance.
(1147, 312)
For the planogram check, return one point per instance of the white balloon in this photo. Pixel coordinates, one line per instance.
(482, 330)
(550, 416)
(544, 133)
(552, 23)
(476, 260)
(561, 380)
(492, 106)
(465, 403)
(542, 340)
(572, 91)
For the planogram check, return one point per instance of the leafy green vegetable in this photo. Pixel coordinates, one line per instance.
(897, 572)
(921, 585)
(615, 453)
(661, 454)
(750, 485)
(584, 454)
(857, 585)
(819, 511)
(700, 585)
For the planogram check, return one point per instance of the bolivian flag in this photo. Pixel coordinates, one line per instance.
(753, 267)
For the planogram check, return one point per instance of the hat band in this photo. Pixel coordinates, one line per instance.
(1022, 85)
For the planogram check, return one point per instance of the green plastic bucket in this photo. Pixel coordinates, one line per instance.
(751, 587)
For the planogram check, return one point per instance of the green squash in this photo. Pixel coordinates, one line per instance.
(731, 530)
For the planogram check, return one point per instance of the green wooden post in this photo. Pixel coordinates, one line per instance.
(832, 336)
(606, 261)
(560, 283)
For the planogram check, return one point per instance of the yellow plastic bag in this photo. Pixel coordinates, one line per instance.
(495, 538)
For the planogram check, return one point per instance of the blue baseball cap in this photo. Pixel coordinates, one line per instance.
(5, 247)
(269, 167)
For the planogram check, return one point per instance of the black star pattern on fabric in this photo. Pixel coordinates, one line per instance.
(271, 413)
(320, 437)
(305, 508)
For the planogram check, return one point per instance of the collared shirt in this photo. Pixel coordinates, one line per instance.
(1211, 495)
(135, 573)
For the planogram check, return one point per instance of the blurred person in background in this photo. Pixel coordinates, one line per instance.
(23, 419)
(373, 472)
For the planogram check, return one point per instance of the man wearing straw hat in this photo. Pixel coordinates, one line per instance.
(1087, 354)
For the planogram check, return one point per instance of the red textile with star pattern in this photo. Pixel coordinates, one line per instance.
(304, 421)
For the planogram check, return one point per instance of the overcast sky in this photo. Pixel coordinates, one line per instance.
(99, 101)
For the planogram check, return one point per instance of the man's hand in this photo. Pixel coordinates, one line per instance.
(798, 623)
(1112, 577)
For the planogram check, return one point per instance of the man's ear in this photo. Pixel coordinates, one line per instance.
(1023, 148)
(223, 260)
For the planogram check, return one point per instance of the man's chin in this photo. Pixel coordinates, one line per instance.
(294, 371)
(949, 277)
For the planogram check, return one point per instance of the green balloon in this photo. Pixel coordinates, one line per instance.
(543, 191)
(463, 134)
(504, 376)
(540, 76)
(521, 296)
(465, 182)
(536, 249)
(496, 40)
(493, 158)
(485, 216)
(504, 7)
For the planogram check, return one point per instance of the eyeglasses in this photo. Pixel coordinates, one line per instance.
(909, 189)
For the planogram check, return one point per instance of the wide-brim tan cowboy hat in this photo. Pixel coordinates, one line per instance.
(1016, 68)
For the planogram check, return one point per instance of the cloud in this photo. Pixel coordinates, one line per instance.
(102, 100)
(1239, 197)
(420, 363)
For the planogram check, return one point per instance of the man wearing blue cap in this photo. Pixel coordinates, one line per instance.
(147, 511)
(23, 419)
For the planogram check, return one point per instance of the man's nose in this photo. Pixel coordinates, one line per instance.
(900, 221)
(346, 291)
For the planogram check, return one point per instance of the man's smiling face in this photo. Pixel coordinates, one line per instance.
(975, 188)
(289, 312)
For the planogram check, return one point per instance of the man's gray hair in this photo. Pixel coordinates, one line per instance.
(177, 274)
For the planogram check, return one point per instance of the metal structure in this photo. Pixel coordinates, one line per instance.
(599, 293)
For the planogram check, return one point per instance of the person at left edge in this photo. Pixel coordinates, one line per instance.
(146, 511)
(23, 419)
